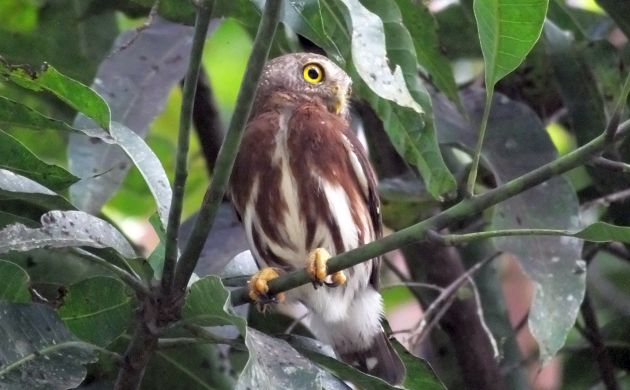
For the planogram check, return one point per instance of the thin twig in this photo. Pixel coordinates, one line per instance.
(611, 165)
(456, 213)
(227, 155)
(441, 304)
(183, 141)
(604, 362)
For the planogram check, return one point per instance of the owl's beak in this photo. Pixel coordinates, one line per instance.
(341, 97)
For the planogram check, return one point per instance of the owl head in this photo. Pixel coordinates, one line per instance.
(306, 77)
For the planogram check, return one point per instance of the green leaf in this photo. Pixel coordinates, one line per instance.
(18, 117)
(7, 218)
(419, 374)
(605, 232)
(267, 368)
(15, 283)
(62, 229)
(156, 259)
(18, 158)
(398, 97)
(197, 366)
(97, 310)
(16, 191)
(508, 29)
(208, 304)
(72, 92)
(423, 29)
(65, 36)
(18, 16)
(38, 352)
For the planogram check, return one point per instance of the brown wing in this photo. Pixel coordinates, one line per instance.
(371, 196)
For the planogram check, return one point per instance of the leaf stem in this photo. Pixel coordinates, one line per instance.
(458, 212)
(183, 141)
(227, 155)
(457, 239)
(472, 176)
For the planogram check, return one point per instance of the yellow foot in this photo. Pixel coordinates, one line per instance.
(317, 270)
(259, 290)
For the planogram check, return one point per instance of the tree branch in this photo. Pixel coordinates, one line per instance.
(457, 213)
(144, 341)
(204, 12)
(227, 154)
(595, 338)
(207, 122)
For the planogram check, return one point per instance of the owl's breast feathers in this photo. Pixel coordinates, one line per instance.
(306, 176)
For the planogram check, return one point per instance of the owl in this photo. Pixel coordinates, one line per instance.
(304, 190)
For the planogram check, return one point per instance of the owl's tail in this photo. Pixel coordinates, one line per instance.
(379, 360)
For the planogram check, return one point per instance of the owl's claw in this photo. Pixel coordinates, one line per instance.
(317, 269)
(259, 289)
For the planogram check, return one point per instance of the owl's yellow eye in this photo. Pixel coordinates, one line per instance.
(313, 73)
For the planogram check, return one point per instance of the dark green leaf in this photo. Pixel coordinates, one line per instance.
(583, 100)
(17, 158)
(62, 229)
(419, 374)
(156, 259)
(97, 310)
(16, 116)
(508, 29)
(6, 218)
(195, 367)
(175, 10)
(208, 304)
(15, 283)
(16, 191)
(38, 352)
(423, 29)
(72, 92)
(73, 42)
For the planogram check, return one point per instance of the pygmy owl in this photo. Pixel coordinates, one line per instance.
(304, 190)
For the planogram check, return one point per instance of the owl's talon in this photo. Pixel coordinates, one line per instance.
(318, 271)
(259, 288)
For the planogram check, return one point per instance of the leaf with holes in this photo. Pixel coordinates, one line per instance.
(72, 92)
(62, 229)
(18, 158)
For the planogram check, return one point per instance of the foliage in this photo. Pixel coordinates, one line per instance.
(81, 298)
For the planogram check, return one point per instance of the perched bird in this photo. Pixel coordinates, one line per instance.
(304, 190)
